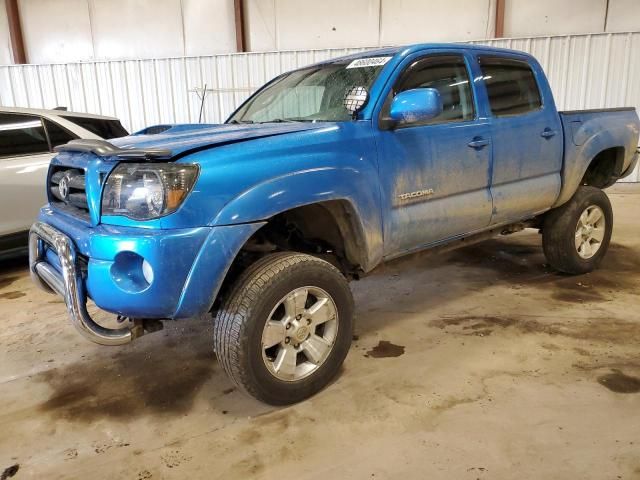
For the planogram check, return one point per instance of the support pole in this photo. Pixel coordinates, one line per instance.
(239, 16)
(15, 31)
(499, 19)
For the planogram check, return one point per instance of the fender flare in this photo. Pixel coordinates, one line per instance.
(582, 156)
(313, 186)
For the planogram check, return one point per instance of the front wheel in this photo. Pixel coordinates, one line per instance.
(576, 235)
(286, 327)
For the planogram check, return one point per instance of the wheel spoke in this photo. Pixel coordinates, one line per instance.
(316, 348)
(581, 248)
(294, 303)
(321, 311)
(587, 251)
(273, 333)
(583, 219)
(598, 234)
(594, 216)
(285, 362)
(578, 240)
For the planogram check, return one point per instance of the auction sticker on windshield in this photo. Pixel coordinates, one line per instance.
(368, 62)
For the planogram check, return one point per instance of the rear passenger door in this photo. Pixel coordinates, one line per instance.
(526, 138)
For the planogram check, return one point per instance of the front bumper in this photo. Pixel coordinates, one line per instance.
(68, 283)
(103, 263)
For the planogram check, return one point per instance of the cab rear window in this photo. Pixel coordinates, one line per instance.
(511, 86)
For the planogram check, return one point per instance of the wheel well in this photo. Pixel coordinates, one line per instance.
(327, 230)
(605, 168)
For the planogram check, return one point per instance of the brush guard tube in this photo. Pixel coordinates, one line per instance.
(70, 285)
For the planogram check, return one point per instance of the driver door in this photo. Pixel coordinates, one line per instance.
(435, 175)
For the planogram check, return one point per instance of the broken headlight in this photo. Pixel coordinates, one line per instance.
(143, 191)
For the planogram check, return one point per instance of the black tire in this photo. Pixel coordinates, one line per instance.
(240, 322)
(559, 232)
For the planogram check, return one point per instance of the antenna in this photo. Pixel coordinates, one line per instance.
(201, 92)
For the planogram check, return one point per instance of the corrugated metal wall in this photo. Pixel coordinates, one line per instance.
(585, 71)
(147, 92)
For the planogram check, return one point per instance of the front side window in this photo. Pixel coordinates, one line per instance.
(511, 86)
(447, 74)
(21, 135)
(315, 93)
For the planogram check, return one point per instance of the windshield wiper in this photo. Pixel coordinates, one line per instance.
(289, 120)
(235, 122)
(281, 120)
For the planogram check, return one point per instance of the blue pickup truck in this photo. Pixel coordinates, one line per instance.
(316, 179)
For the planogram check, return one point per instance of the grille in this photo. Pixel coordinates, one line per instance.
(68, 191)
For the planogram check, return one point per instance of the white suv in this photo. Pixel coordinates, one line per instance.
(27, 138)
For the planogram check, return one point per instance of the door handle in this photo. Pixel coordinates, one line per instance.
(548, 133)
(478, 143)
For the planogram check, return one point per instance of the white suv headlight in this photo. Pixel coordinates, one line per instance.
(143, 191)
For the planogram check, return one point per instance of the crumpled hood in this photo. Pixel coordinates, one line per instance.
(186, 140)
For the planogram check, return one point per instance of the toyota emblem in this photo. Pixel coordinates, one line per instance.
(63, 188)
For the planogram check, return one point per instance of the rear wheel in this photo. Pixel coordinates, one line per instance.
(286, 327)
(575, 236)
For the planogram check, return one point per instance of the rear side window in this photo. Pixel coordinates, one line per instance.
(101, 127)
(57, 134)
(447, 74)
(21, 135)
(511, 86)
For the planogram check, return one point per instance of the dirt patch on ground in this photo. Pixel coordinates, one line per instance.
(9, 472)
(5, 282)
(618, 382)
(160, 376)
(385, 349)
(600, 330)
(12, 295)
(526, 265)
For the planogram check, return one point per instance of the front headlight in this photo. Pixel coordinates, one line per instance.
(143, 191)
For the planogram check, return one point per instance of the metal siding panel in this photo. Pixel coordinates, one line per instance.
(193, 80)
(257, 72)
(595, 73)
(148, 92)
(105, 84)
(272, 65)
(6, 92)
(226, 88)
(17, 82)
(241, 86)
(180, 90)
(120, 91)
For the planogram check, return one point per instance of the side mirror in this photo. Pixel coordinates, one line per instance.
(416, 105)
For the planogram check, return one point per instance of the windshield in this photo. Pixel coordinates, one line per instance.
(312, 94)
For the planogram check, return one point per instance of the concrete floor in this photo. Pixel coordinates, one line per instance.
(482, 363)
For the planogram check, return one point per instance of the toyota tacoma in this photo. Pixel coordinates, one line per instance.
(321, 175)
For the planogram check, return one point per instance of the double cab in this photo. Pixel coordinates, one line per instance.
(320, 176)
